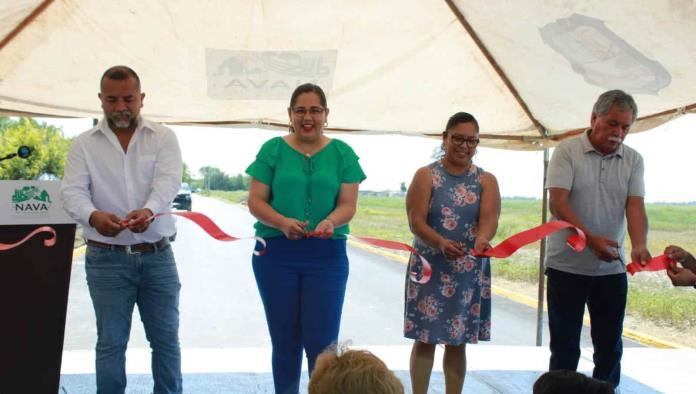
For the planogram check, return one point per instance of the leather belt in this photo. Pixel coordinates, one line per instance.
(133, 249)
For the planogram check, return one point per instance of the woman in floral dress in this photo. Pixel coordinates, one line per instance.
(453, 209)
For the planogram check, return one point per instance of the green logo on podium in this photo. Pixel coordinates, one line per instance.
(31, 199)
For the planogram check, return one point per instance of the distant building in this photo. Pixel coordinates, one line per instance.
(383, 193)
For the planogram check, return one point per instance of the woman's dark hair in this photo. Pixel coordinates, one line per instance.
(461, 117)
(308, 88)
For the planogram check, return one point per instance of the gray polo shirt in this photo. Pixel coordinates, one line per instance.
(599, 186)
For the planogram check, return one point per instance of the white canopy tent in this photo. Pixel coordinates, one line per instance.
(528, 70)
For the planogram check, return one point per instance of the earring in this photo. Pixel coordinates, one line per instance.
(326, 124)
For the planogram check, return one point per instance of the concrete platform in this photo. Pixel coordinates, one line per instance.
(492, 369)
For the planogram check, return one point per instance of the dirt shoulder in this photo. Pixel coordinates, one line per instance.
(640, 329)
(681, 337)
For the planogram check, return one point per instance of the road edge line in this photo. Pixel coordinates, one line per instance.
(644, 339)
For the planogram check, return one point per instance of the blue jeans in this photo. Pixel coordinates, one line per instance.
(302, 285)
(606, 301)
(117, 281)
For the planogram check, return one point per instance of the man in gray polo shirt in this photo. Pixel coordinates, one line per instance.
(596, 183)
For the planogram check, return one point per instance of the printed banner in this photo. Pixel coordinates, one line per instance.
(43, 229)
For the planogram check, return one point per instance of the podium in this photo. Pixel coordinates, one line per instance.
(34, 283)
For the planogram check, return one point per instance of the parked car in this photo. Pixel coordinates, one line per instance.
(183, 198)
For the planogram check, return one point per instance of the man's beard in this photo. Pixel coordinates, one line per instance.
(122, 120)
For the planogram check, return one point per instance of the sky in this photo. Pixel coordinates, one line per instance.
(388, 160)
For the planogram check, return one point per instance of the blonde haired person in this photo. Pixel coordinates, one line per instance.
(352, 372)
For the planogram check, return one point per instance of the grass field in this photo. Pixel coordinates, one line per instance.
(651, 295)
(237, 196)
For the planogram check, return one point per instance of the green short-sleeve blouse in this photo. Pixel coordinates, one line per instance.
(304, 187)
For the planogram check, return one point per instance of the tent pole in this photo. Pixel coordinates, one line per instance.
(24, 23)
(542, 255)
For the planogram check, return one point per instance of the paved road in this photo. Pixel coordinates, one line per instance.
(220, 306)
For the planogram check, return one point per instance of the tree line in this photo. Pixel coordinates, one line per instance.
(215, 179)
(50, 151)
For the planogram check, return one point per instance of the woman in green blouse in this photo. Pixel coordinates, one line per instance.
(304, 191)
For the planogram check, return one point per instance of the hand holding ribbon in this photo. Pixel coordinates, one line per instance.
(138, 220)
(657, 263)
(509, 246)
(208, 226)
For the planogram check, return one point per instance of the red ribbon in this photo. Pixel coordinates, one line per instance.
(209, 227)
(43, 229)
(658, 263)
(504, 249)
(393, 245)
(509, 246)
(427, 270)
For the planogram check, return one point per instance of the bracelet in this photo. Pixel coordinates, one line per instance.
(330, 221)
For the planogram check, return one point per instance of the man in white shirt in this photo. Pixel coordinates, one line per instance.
(118, 175)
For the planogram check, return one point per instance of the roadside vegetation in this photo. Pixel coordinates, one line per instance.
(236, 196)
(49, 149)
(651, 295)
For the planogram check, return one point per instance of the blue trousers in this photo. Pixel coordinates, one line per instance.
(117, 281)
(605, 296)
(302, 285)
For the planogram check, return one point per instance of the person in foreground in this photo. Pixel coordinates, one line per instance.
(595, 182)
(118, 175)
(686, 274)
(303, 192)
(570, 382)
(352, 372)
(453, 209)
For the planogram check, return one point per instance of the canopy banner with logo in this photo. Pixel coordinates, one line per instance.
(34, 283)
(528, 70)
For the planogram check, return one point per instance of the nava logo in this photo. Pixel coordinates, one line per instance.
(31, 199)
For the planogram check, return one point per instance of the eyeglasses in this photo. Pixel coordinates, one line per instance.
(313, 111)
(460, 140)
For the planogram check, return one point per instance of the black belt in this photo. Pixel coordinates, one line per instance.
(133, 249)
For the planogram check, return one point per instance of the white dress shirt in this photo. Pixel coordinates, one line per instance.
(99, 175)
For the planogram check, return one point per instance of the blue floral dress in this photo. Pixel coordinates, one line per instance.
(454, 307)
